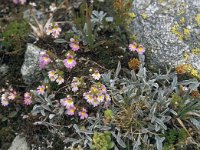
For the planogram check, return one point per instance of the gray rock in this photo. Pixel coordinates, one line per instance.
(169, 30)
(3, 70)
(19, 143)
(30, 69)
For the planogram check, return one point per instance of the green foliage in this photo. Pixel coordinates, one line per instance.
(102, 141)
(6, 134)
(175, 138)
(14, 33)
(84, 23)
(176, 100)
(145, 103)
(108, 113)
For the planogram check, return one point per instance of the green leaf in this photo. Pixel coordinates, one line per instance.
(60, 41)
(12, 114)
(111, 145)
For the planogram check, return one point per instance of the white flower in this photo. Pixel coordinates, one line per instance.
(32, 4)
(60, 80)
(52, 75)
(4, 96)
(96, 75)
(4, 102)
(52, 7)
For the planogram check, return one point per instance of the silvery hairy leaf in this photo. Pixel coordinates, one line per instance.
(159, 142)
(69, 140)
(117, 70)
(37, 109)
(161, 123)
(195, 122)
(137, 143)
(120, 141)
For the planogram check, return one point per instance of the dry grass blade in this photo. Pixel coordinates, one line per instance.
(182, 124)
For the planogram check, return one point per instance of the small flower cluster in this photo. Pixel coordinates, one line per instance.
(44, 60)
(96, 75)
(21, 2)
(97, 95)
(7, 96)
(28, 98)
(69, 62)
(135, 47)
(53, 76)
(54, 30)
(74, 45)
(68, 103)
(134, 64)
(76, 83)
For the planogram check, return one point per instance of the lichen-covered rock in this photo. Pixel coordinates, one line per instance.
(30, 69)
(19, 143)
(170, 31)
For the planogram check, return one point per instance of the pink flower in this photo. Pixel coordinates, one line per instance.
(56, 31)
(103, 89)
(70, 111)
(12, 95)
(67, 102)
(88, 97)
(108, 98)
(51, 73)
(75, 84)
(95, 102)
(83, 114)
(44, 60)
(140, 49)
(133, 46)
(69, 62)
(106, 104)
(27, 98)
(100, 98)
(19, 2)
(41, 89)
(74, 46)
(74, 88)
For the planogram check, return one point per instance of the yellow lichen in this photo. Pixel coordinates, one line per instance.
(194, 72)
(186, 56)
(186, 32)
(175, 30)
(188, 69)
(132, 15)
(181, 33)
(196, 51)
(144, 15)
(197, 18)
(182, 20)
